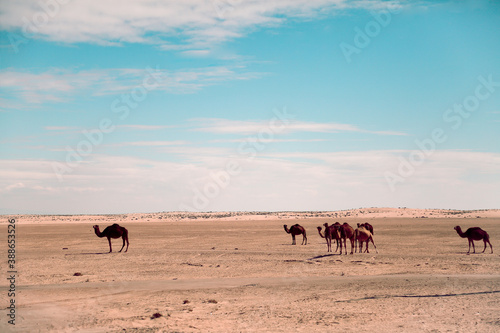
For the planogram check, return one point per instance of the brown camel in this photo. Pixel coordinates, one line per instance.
(296, 230)
(347, 232)
(331, 232)
(367, 226)
(363, 235)
(113, 231)
(473, 234)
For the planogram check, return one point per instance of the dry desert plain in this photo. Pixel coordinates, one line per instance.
(238, 272)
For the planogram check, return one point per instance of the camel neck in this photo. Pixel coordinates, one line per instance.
(460, 233)
(98, 232)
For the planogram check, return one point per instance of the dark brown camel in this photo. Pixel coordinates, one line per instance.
(113, 231)
(331, 232)
(367, 226)
(363, 235)
(296, 230)
(473, 234)
(347, 232)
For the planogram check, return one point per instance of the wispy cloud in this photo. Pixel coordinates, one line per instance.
(61, 85)
(51, 86)
(191, 26)
(61, 128)
(227, 126)
(150, 143)
(250, 139)
(145, 127)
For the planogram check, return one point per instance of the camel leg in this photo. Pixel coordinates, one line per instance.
(473, 246)
(127, 244)
(352, 246)
(304, 238)
(123, 244)
(376, 251)
(487, 241)
(109, 241)
(293, 239)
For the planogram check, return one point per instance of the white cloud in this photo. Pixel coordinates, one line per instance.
(190, 24)
(150, 143)
(60, 85)
(50, 86)
(272, 181)
(227, 126)
(61, 128)
(254, 139)
(144, 127)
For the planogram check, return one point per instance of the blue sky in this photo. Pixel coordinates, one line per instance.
(146, 106)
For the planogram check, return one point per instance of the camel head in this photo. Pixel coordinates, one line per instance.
(319, 228)
(96, 230)
(326, 225)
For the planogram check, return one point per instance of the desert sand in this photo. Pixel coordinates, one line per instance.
(238, 272)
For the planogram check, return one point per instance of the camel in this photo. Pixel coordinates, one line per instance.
(296, 230)
(363, 235)
(473, 234)
(113, 231)
(347, 232)
(331, 232)
(367, 226)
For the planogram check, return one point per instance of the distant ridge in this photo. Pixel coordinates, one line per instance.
(367, 213)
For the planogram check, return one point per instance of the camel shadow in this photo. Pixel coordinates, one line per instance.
(324, 256)
(470, 254)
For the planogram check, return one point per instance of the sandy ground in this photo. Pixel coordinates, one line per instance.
(219, 275)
